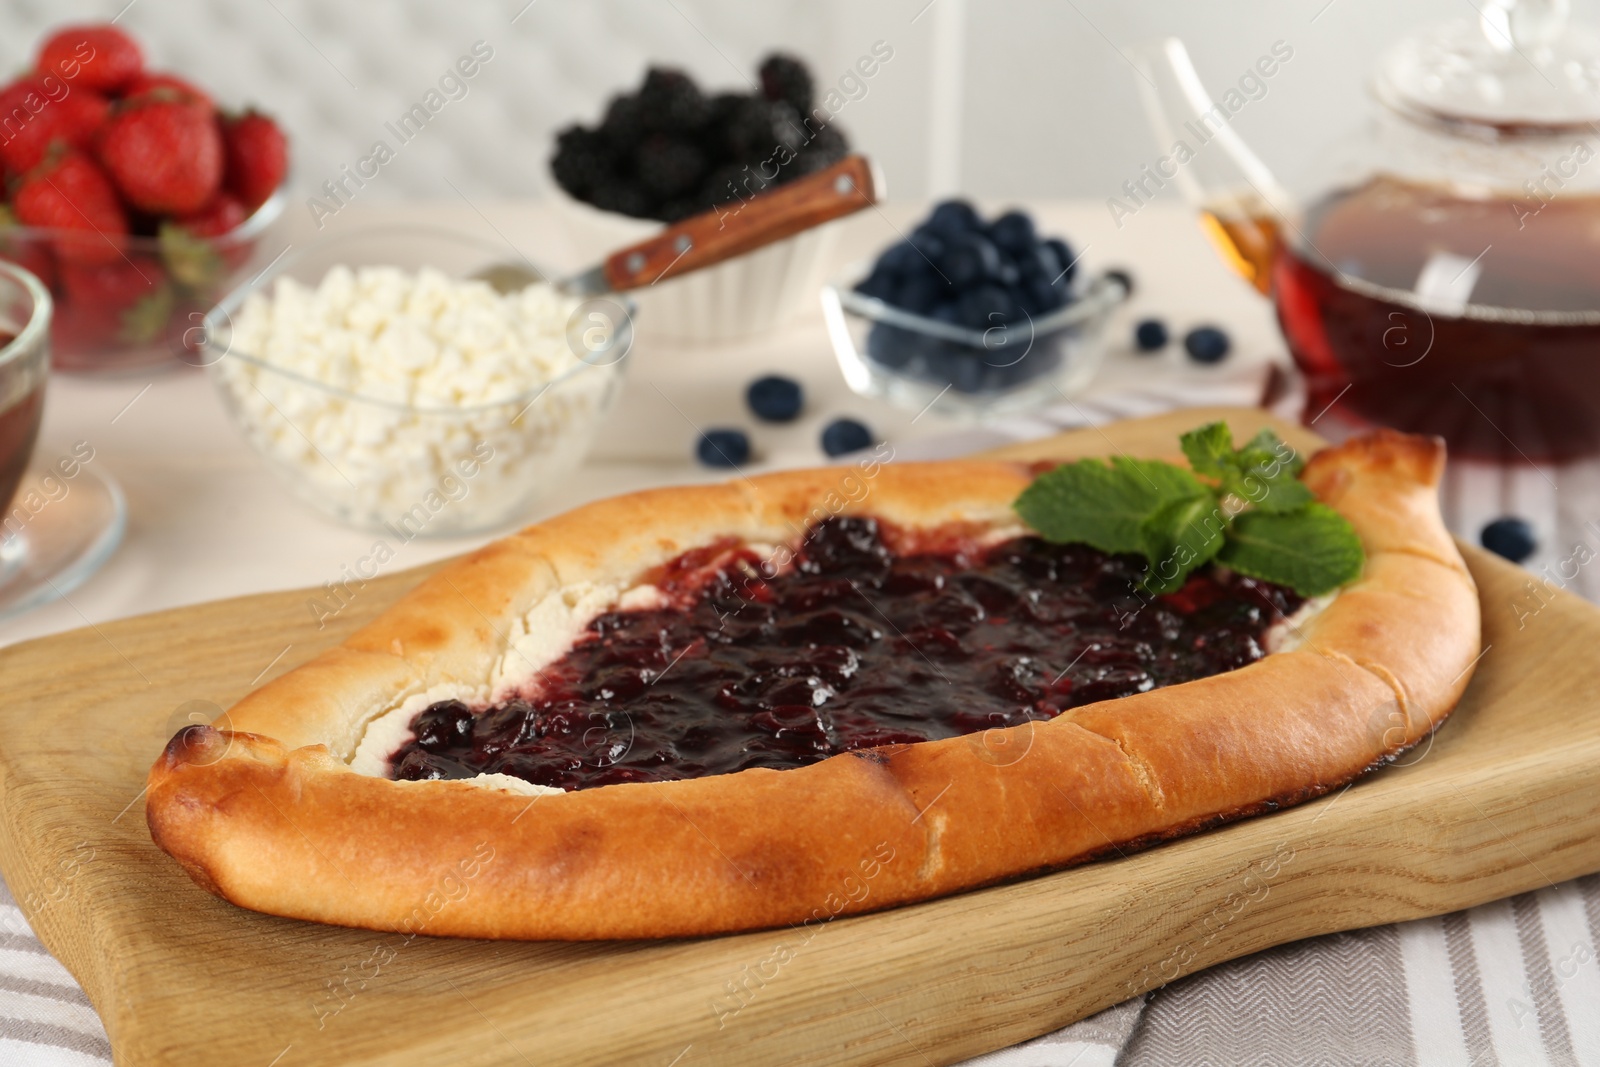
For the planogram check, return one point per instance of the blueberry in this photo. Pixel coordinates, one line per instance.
(842, 436)
(1044, 296)
(929, 243)
(1041, 262)
(970, 259)
(723, 448)
(953, 217)
(880, 284)
(1065, 256)
(1509, 537)
(775, 398)
(902, 258)
(948, 312)
(965, 374)
(1150, 335)
(1013, 232)
(986, 306)
(1207, 344)
(920, 293)
(891, 346)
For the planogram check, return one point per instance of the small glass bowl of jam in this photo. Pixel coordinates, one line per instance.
(922, 363)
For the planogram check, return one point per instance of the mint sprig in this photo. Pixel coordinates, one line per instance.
(1251, 513)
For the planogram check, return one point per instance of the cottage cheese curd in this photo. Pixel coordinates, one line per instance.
(414, 401)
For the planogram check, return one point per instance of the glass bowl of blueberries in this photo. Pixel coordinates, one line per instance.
(971, 317)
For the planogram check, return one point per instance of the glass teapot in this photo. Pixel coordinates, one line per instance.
(1440, 273)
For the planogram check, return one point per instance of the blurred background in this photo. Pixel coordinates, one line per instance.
(1008, 98)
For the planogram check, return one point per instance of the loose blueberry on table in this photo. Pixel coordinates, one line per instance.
(1207, 344)
(775, 398)
(843, 436)
(1510, 538)
(958, 270)
(1150, 335)
(723, 448)
(873, 638)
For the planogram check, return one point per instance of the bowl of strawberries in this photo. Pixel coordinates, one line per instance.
(133, 198)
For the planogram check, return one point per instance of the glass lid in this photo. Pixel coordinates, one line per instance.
(1519, 69)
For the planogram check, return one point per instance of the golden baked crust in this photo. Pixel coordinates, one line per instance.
(269, 815)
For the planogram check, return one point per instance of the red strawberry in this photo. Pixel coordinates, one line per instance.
(69, 193)
(153, 81)
(258, 157)
(92, 57)
(25, 250)
(165, 155)
(216, 218)
(83, 112)
(30, 121)
(127, 301)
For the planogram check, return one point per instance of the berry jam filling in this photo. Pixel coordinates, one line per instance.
(853, 646)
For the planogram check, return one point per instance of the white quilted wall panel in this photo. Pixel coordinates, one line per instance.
(1045, 103)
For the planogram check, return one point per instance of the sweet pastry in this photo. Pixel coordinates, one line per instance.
(812, 693)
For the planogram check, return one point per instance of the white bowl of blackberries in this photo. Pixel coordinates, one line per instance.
(668, 151)
(971, 317)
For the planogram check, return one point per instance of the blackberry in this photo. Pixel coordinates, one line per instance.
(623, 197)
(671, 102)
(825, 147)
(731, 181)
(679, 209)
(624, 122)
(758, 128)
(581, 161)
(668, 166)
(785, 78)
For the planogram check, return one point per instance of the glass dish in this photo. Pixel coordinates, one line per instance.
(25, 312)
(407, 469)
(130, 303)
(59, 520)
(921, 364)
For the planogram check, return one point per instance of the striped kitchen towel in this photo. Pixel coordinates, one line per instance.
(1511, 983)
(45, 1019)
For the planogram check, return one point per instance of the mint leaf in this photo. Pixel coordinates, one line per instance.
(1312, 550)
(1179, 537)
(1279, 496)
(1264, 474)
(1210, 449)
(1103, 506)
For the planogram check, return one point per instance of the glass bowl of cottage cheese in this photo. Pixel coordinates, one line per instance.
(395, 388)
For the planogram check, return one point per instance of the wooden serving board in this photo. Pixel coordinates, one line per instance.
(1505, 799)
